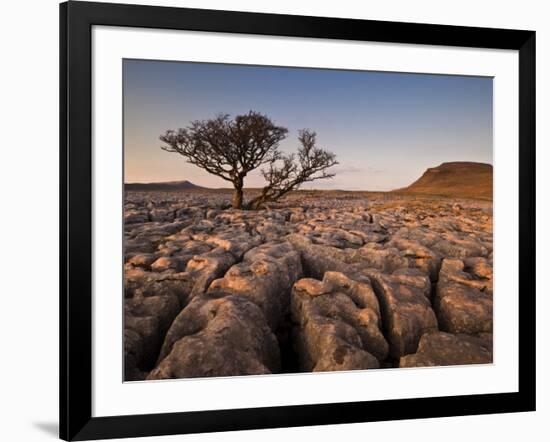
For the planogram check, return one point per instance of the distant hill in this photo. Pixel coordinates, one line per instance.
(166, 186)
(457, 179)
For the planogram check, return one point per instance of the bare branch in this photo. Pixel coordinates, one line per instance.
(288, 173)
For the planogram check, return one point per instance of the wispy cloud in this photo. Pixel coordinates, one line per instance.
(323, 184)
(344, 169)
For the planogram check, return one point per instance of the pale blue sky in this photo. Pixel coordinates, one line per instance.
(385, 128)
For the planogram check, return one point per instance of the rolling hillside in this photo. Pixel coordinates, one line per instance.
(166, 186)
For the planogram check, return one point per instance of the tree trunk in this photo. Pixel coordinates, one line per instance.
(237, 202)
(265, 197)
(254, 204)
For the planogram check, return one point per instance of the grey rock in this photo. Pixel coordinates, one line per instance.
(439, 349)
(337, 324)
(463, 301)
(265, 276)
(406, 310)
(218, 334)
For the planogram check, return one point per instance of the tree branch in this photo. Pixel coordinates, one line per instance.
(227, 148)
(288, 173)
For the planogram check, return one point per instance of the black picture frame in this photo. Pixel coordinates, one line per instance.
(76, 21)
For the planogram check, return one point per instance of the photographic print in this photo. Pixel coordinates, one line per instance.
(293, 220)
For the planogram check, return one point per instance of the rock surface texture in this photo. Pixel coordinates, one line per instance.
(321, 281)
(440, 348)
(338, 324)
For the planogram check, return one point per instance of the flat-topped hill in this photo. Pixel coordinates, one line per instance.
(458, 179)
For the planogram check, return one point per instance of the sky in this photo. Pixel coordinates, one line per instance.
(385, 128)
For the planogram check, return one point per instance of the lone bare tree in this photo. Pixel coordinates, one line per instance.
(227, 148)
(231, 148)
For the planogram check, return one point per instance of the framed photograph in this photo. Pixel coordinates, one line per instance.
(272, 220)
